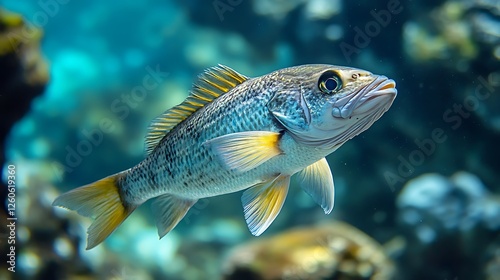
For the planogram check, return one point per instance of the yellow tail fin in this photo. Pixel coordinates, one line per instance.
(100, 200)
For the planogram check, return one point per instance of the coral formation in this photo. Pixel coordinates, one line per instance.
(445, 218)
(330, 251)
(23, 75)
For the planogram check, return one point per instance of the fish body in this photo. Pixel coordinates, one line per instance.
(237, 133)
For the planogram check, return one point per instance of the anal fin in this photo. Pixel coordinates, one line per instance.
(168, 211)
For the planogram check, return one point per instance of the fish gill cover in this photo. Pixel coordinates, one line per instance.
(421, 182)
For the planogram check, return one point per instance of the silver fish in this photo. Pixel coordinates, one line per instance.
(238, 133)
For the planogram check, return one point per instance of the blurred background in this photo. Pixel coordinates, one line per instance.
(417, 195)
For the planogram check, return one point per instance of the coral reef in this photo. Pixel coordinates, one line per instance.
(23, 72)
(448, 219)
(330, 251)
(465, 36)
(23, 75)
(398, 180)
(492, 267)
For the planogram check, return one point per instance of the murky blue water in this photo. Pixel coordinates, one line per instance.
(425, 173)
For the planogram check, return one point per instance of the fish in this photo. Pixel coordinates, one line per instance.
(236, 133)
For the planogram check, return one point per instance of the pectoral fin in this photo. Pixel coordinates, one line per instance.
(317, 181)
(243, 151)
(168, 211)
(263, 202)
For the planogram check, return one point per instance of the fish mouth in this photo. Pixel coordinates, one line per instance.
(380, 93)
(382, 86)
(388, 85)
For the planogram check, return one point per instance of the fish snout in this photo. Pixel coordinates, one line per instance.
(382, 86)
(380, 93)
(377, 95)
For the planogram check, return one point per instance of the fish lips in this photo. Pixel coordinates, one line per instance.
(376, 96)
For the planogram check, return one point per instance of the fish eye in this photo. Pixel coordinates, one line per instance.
(329, 82)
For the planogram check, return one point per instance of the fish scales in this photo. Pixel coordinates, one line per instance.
(236, 133)
(185, 150)
(227, 114)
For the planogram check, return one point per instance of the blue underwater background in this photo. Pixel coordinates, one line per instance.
(417, 195)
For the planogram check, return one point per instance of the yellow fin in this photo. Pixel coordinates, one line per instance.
(100, 200)
(214, 82)
(317, 181)
(263, 202)
(243, 151)
(168, 211)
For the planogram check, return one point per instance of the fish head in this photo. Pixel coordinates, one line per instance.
(325, 105)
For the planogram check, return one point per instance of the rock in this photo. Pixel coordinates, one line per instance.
(432, 203)
(447, 221)
(330, 251)
(23, 75)
(492, 267)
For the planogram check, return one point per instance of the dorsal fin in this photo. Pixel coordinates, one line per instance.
(214, 82)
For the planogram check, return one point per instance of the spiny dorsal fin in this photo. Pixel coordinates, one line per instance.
(214, 82)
